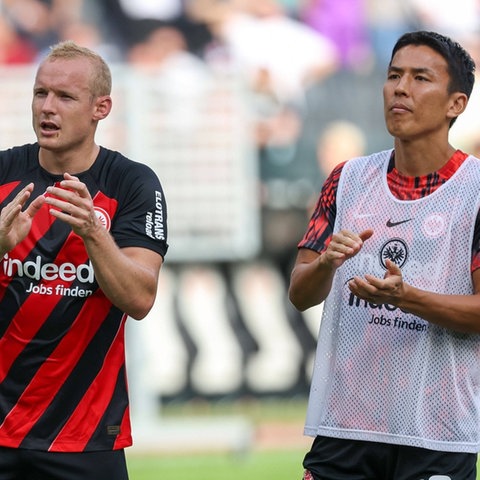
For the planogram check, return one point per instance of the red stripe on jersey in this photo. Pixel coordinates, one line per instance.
(404, 187)
(43, 221)
(320, 227)
(20, 332)
(84, 420)
(7, 189)
(126, 439)
(32, 314)
(22, 417)
(108, 205)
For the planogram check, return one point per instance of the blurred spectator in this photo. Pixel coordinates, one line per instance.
(387, 20)
(278, 124)
(278, 58)
(340, 141)
(461, 21)
(89, 35)
(292, 8)
(277, 128)
(63, 11)
(130, 23)
(33, 21)
(458, 19)
(40, 20)
(259, 37)
(180, 77)
(13, 48)
(163, 10)
(344, 23)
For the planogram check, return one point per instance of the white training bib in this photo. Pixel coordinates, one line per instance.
(382, 374)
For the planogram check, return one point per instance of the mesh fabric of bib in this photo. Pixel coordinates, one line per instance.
(382, 374)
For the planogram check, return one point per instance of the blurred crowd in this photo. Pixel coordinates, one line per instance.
(316, 36)
(282, 49)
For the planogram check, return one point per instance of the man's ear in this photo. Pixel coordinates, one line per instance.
(103, 106)
(458, 104)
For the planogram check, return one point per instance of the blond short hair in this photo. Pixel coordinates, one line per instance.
(101, 81)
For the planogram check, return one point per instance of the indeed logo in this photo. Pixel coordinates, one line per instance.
(391, 317)
(37, 270)
(354, 301)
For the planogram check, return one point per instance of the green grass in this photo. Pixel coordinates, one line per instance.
(250, 465)
(254, 409)
(278, 465)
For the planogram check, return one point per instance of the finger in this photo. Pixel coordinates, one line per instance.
(22, 196)
(346, 239)
(366, 234)
(67, 193)
(67, 176)
(57, 197)
(340, 248)
(393, 268)
(378, 283)
(74, 185)
(35, 206)
(361, 286)
(10, 214)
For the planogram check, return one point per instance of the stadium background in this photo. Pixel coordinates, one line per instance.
(241, 119)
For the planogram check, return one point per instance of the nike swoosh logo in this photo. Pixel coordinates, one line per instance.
(394, 224)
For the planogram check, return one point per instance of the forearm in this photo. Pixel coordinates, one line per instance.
(313, 273)
(310, 283)
(456, 312)
(129, 284)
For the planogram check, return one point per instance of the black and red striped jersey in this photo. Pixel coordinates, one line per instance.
(62, 360)
(320, 227)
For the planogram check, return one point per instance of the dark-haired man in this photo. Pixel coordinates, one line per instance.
(393, 249)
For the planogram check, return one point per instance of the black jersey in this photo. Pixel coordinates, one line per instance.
(62, 361)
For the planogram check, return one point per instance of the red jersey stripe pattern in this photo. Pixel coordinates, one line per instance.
(63, 380)
(320, 227)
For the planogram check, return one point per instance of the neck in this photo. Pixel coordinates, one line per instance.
(416, 160)
(73, 162)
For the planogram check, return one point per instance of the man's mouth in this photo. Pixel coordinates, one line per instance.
(399, 107)
(49, 126)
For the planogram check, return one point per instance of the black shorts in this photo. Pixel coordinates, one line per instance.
(338, 459)
(22, 464)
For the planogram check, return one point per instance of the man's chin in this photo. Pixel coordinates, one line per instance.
(48, 143)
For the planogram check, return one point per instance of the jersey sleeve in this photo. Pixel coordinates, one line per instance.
(476, 245)
(320, 228)
(142, 216)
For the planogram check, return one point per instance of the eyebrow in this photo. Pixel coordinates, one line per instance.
(393, 68)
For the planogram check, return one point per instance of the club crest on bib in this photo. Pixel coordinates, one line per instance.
(395, 250)
(434, 225)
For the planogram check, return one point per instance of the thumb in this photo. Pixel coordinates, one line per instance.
(366, 234)
(393, 268)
